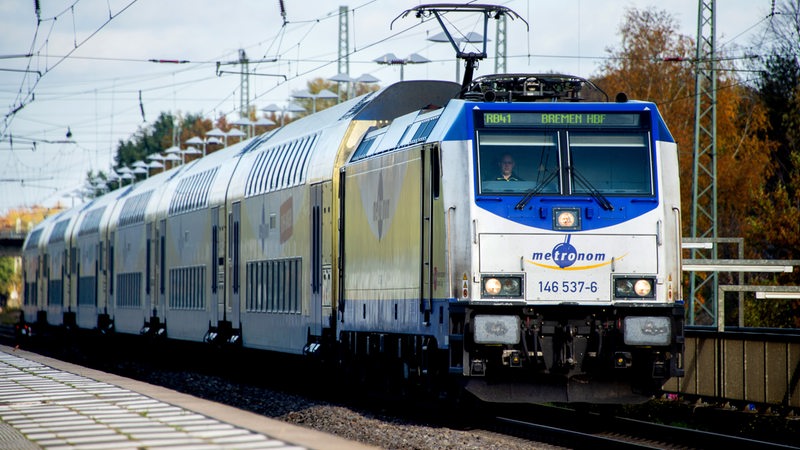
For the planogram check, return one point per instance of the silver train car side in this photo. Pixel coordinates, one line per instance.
(381, 233)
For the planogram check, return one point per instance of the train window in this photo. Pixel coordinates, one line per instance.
(59, 230)
(91, 223)
(33, 240)
(272, 169)
(186, 285)
(611, 163)
(192, 192)
(363, 148)
(254, 178)
(310, 144)
(287, 166)
(516, 162)
(129, 290)
(424, 130)
(273, 286)
(133, 209)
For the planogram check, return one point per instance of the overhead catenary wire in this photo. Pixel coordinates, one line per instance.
(22, 99)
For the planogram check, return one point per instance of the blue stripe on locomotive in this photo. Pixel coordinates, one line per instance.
(626, 208)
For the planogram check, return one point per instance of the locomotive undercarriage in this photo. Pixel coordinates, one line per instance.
(558, 358)
(580, 357)
(395, 364)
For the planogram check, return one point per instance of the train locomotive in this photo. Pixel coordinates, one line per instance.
(381, 233)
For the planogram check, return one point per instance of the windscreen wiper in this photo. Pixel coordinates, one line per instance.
(535, 190)
(597, 195)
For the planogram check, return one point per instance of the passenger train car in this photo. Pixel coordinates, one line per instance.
(380, 233)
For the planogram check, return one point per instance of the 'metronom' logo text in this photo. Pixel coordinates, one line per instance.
(565, 255)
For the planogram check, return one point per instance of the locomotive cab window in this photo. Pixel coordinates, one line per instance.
(610, 163)
(563, 154)
(516, 162)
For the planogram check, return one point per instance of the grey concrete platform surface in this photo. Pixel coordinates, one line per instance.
(53, 405)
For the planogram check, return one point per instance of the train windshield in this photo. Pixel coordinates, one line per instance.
(518, 162)
(567, 161)
(610, 163)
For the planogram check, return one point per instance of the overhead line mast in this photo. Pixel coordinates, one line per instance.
(704, 168)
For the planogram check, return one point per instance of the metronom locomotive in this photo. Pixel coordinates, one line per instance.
(501, 235)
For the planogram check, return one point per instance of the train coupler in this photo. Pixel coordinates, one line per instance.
(105, 324)
(223, 334)
(154, 328)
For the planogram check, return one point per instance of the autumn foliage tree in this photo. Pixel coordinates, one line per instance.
(654, 63)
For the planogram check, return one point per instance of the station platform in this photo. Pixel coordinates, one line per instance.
(54, 405)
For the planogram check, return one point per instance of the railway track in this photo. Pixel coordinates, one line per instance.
(576, 429)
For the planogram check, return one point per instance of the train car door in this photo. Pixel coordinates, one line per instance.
(234, 237)
(73, 281)
(430, 189)
(217, 268)
(161, 266)
(315, 262)
(44, 294)
(149, 271)
(110, 303)
(98, 268)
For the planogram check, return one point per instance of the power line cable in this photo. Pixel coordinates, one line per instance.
(23, 100)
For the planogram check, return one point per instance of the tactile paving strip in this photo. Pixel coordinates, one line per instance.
(42, 407)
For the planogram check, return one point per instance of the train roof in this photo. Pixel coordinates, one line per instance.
(38, 235)
(136, 202)
(94, 215)
(307, 150)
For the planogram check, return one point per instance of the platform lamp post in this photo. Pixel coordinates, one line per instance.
(235, 132)
(113, 177)
(174, 150)
(140, 168)
(390, 59)
(323, 94)
(262, 122)
(340, 78)
(291, 108)
(243, 122)
(364, 78)
(196, 140)
(155, 165)
(217, 133)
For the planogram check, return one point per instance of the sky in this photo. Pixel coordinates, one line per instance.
(82, 75)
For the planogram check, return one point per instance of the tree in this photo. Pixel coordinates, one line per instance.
(778, 85)
(654, 63)
(20, 220)
(10, 279)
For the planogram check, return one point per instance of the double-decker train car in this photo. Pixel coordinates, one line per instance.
(89, 241)
(506, 237)
(48, 268)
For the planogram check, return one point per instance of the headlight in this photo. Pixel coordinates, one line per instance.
(501, 286)
(629, 287)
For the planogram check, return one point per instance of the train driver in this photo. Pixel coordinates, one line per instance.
(507, 173)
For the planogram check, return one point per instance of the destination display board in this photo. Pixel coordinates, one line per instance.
(559, 119)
